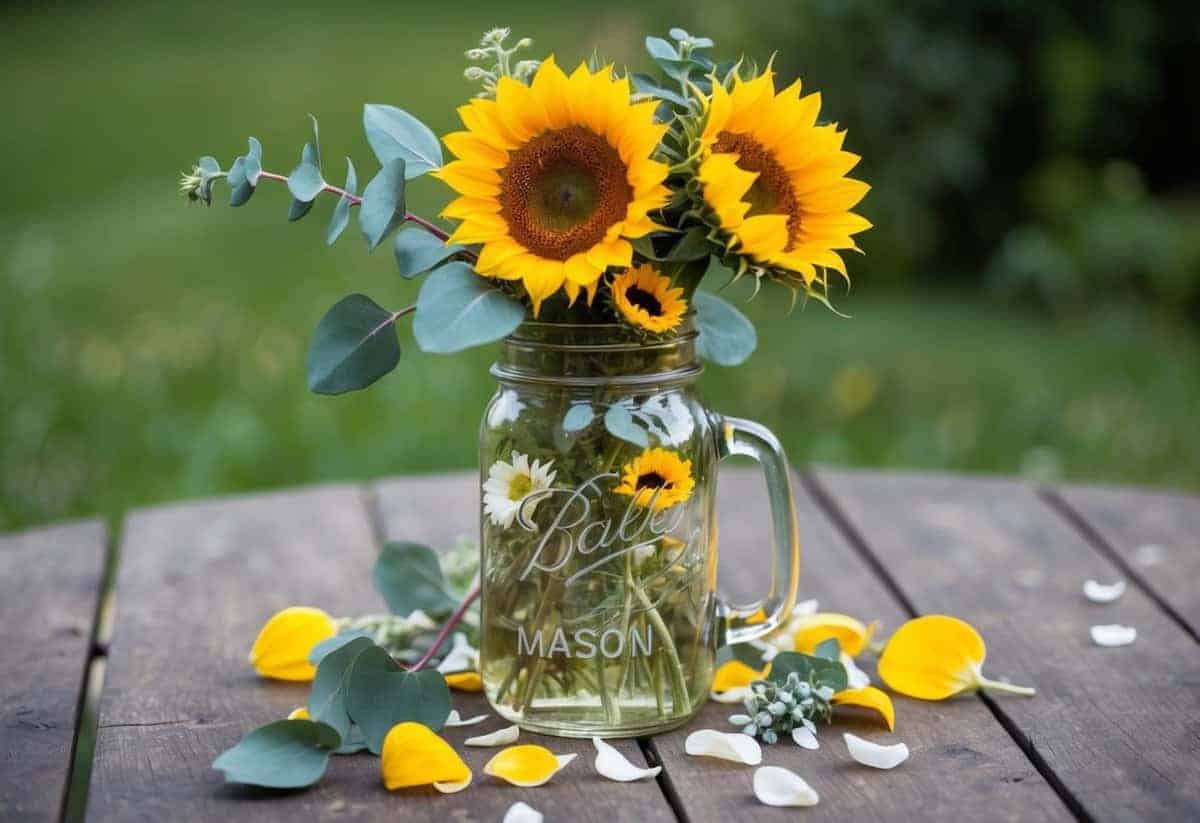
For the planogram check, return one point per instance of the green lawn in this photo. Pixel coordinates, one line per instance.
(151, 351)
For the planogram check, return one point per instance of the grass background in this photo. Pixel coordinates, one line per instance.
(150, 350)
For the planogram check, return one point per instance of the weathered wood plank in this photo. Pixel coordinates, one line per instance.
(436, 510)
(1118, 728)
(1156, 535)
(963, 764)
(49, 585)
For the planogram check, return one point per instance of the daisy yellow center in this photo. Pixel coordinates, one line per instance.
(772, 192)
(644, 300)
(520, 486)
(562, 191)
(651, 480)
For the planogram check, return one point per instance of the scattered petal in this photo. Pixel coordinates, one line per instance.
(805, 608)
(1150, 554)
(938, 656)
(453, 787)
(282, 646)
(733, 746)
(805, 738)
(852, 635)
(1101, 593)
(874, 755)
(300, 713)
(500, 737)
(526, 765)
(776, 786)
(465, 681)
(461, 657)
(733, 674)
(734, 695)
(612, 764)
(1113, 634)
(856, 677)
(522, 813)
(414, 756)
(869, 698)
(454, 719)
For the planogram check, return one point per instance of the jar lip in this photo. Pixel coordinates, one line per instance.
(685, 326)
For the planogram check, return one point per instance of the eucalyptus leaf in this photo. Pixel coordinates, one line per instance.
(286, 754)
(645, 84)
(332, 644)
(727, 337)
(240, 189)
(305, 182)
(353, 743)
(208, 165)
(660, 49)
(297, 209)
(417, 251)
(253, 161)
(619, 422)
(409, 577)
(327, 701)
(743, 652)
(341, 212)
(353, 346)
(382, 694)
(382, 207)
(457, 309)
(816, 670)
(578, 417)
(394, 133)
(829, 649)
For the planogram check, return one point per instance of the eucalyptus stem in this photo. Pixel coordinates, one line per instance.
(454, 620)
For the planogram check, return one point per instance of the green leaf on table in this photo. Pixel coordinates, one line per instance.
(382, 694)
(341, 212)
(457, 309)
(743, 652)
(409, 577)
(727, 336)
(382, 207)
(327, 701)
(286, 754)
(417, 251)
(305, 182)
(332, 644)
(394, 133)
(816, 670)
(829, 649)
(620, 423)
(353, 346)
(578, 417)
(353, 743)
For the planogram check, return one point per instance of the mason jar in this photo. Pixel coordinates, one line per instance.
(598, 463)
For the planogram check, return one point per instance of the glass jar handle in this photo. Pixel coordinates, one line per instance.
(745, 437)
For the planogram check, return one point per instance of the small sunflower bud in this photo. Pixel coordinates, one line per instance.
(477, 54)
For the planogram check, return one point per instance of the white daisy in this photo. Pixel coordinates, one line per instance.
(506, 408)
(509, 484)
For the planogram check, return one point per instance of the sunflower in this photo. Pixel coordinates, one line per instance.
(776, 181)
(646, 299)
(554, 178)
(657, 477)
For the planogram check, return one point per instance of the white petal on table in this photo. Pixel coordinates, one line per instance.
(739, 748)
(776, 786)
(455, 719)
(1101, 593)
(874, 755)
(856, 677)
(612, 764)
(1113, 634)
(500, 737)
(805, 739)
(735, 695)
(522, 813)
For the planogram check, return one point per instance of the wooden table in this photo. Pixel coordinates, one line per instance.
(1114, 734)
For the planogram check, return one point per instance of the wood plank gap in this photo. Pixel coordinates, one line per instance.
(1096, 540)
(665, 784)
(824, 499)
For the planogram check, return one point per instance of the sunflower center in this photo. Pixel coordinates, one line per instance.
(561, 191)
(644, 300)
(651, 480)
(772, 192)
(520, 486)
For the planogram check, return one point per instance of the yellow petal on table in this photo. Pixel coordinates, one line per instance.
(414, 756)
(869, 697)
(465, 681)
(733, 674)
(282, 646)
(300, 713)
(851, 634)
(527, 765)
(938, 656)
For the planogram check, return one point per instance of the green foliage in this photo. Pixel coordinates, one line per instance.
(458, 309)
(417, 251)
(578, 417)
(327, 701)
(305, 181)
(243, 174)
(618, 419)
(818, 671)
(310, 155)
(382, 694)
(286, 754)
(727, 337)
(341, 212)
(353, 346)
(829, 649)
(332, 644)
(409, 577)
(394, 133)
(382, 207)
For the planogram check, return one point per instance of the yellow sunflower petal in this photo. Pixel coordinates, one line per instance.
(465, 681)
(473, 148)
(935, 657)
(526, 765)
(281, 649)
(414, 756)
(872, 698)
(735, 673)
(550, 87)
(851, 634)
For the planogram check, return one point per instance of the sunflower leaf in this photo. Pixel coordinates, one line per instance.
(727, 337)
(692, 246)
(409, 577)
(417, 251)
(382, 207)
(286, 754)
(457, 309)
(353, 346)
(394, 133)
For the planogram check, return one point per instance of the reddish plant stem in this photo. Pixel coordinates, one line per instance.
(454, 620)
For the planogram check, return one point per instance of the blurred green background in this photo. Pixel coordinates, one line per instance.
(1028, 302)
